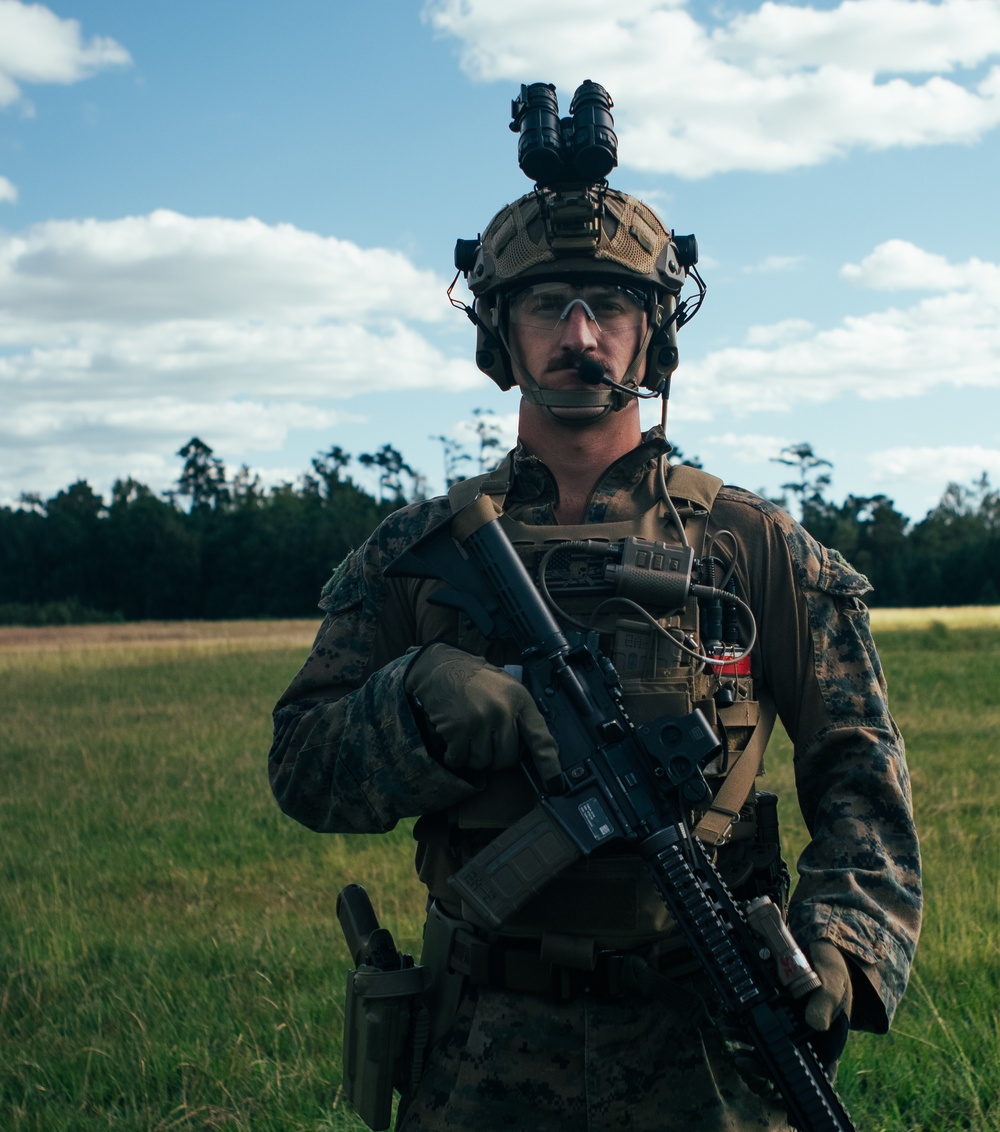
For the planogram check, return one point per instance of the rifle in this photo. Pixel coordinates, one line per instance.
(621, 784)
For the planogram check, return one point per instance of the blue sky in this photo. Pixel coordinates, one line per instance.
(236, 221)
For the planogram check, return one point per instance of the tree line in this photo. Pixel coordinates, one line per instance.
(223, 546)
(214, 546)
(950, 557)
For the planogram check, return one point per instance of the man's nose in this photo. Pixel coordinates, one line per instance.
(577, 330)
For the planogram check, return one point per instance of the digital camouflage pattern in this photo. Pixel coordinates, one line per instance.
(858, 811)
(520, 1061)
(348, 756)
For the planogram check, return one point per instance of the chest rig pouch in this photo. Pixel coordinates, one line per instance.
(650, 636)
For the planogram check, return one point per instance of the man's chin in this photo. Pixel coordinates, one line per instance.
(578, 414)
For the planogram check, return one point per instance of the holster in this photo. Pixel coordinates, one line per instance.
(386, 1028)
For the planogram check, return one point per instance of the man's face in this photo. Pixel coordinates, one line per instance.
(555, 326)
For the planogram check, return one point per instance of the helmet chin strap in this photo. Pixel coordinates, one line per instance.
(610, 400)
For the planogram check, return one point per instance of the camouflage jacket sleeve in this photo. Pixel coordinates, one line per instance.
(859, 877)
(347, 755)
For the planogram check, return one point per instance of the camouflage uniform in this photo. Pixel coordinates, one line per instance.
(348, 756)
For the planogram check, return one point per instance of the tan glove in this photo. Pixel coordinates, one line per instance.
(483, 715)
(828, 1009)
(835, 996)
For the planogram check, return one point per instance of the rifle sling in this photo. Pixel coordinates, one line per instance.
(716, 825)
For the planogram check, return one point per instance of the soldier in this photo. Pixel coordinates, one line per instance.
(587, 1009)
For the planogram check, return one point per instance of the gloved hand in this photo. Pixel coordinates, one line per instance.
(828, 1010)
(483, 715)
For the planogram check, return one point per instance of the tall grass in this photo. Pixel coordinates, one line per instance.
(169, 953)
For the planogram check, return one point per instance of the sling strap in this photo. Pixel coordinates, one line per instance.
(716, 825)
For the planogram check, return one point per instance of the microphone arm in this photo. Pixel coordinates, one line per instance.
(592, 372)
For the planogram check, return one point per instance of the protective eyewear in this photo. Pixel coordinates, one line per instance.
(547, 306)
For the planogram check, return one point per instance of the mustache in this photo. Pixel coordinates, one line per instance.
(568, 359)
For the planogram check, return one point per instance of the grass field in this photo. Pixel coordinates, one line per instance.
(169, 954)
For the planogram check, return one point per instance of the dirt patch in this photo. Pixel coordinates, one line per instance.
(954, 617)
(271, 634)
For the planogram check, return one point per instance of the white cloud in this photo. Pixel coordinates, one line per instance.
(959, 463)
(259, 426)
(948, 339)
(118, 336)
(898, 265)
(37, 46)
(749, 448)
(865, 36)
(775, 263)
(776, 88)
(50, 445)
(167, 267)
(776, 333)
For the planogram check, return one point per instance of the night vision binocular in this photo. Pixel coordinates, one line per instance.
(556, 151)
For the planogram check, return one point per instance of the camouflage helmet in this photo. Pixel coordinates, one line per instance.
(579, 233)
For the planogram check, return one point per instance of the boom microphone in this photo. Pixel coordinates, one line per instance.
(592, 372)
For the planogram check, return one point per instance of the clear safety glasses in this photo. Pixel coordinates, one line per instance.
(547, 306)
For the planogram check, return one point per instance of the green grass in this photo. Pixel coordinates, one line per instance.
(169, 952)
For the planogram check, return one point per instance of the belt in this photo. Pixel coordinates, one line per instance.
(530, 966)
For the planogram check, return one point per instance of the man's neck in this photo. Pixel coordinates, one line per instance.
(577, 455)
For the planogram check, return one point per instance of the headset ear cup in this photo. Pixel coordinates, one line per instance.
(491, 356)
(661, 358)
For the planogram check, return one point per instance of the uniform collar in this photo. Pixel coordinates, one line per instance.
(626, 488)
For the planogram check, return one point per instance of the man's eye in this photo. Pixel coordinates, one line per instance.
(545, 305)
(609, 307)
